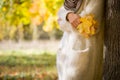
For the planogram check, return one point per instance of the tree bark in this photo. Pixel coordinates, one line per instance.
(112, 40)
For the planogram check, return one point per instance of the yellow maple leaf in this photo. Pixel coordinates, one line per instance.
(88, 26)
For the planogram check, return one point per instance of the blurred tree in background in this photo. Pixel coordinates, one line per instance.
(29, 19)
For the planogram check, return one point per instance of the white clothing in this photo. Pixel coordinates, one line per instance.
(81, 58)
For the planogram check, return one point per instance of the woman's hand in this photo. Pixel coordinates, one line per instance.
(74, 19)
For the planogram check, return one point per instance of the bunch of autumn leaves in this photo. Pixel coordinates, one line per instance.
(88, 26)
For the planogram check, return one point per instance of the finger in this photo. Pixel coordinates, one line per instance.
(73, 24)
(76, 22)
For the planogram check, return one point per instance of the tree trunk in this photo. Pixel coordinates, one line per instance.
(112, 41)
(20, 32)
(34, 28)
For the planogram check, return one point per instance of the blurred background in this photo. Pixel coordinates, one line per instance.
(29, 39)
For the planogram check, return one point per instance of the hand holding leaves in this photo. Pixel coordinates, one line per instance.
(74, 19)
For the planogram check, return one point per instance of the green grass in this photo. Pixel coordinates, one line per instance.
(20, 66)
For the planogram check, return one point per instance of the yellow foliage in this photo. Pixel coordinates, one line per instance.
(49, 24)
(12, 32)
(88, 26)
(4, 9)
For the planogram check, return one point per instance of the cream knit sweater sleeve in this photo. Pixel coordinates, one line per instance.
(64, 24)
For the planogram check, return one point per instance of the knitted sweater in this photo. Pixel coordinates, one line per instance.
(81, 58)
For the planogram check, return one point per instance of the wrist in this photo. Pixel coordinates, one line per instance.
(69, 15)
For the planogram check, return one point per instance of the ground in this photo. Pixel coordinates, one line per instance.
(28, 60)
